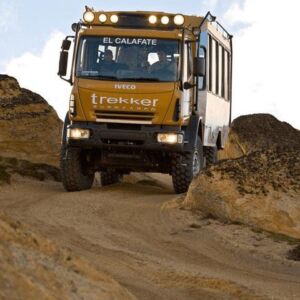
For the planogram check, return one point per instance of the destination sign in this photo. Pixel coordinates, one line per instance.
(129, 41)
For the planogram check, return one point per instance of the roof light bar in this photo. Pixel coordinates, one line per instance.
(88, 16)
(179, 20)
(165, 20)
(152, 19)
(114, 19)
(102, 18)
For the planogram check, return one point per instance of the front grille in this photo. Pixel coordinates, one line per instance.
(124, 126)
(129, 117)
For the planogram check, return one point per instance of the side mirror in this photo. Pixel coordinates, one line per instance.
(63, 63)
(66, 44)
(74, 27)
(199, 66)
(188, 85)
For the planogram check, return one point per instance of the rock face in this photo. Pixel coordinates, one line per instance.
(258, 132)
(12, 166)
(29, 127)
(32, 267)
(261, 189)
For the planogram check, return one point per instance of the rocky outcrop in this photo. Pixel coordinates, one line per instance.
(32, 267)
(261, 188)
(12, 166)
(29, 127)
(258, 132)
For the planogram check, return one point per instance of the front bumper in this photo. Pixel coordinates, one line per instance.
(143, 137)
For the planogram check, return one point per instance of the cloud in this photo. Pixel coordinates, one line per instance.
(266, 58)
(39, 74)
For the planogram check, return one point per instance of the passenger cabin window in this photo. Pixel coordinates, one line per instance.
(219, 63)
(220, 71)
(213, 67)
(201, 82)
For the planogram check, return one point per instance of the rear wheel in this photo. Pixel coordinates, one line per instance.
(211, 156)
(186, 166)
(110, 177)
(74, 170)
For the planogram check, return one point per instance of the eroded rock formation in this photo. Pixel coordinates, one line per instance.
(261, 188)
(29, 127)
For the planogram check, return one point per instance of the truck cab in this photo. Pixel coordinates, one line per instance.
(151, 92)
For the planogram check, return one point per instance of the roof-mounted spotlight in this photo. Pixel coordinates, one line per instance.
(88, 16)
(114, 19)
(102, 18)
(179, 20)
(152, 19)
(165, 20)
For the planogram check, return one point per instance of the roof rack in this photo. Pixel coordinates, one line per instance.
(213, 19)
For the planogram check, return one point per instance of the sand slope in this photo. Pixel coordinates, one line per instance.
(138, 233)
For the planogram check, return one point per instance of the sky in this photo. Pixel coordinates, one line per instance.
(266, 47)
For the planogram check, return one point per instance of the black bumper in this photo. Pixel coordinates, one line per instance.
(143, 137)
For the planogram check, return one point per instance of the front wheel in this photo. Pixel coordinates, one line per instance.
(186, 166)
(74, 170)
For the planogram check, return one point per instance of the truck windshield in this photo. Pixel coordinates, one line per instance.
(128, 58)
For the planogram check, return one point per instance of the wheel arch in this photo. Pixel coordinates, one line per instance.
(195, 128)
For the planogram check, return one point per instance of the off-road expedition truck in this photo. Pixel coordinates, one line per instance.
(151, 93)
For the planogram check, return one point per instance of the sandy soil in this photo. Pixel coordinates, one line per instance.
(137, 232)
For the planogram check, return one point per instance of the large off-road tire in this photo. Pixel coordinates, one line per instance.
(186, 166)
(74, 172)
(110, 177)
(211, 155)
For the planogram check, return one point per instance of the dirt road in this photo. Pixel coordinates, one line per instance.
(136, 232)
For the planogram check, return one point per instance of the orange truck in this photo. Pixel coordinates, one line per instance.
(151, 92)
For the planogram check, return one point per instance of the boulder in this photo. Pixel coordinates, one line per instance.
(29, 127)
(261, 189)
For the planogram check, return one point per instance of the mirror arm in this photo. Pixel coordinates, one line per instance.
(67, 80)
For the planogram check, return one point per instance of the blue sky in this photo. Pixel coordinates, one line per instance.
(266, 74)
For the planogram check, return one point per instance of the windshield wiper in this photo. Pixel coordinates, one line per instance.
(121, 78)
(100, 77)
(141, 79)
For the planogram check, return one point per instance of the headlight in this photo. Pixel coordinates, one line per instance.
(170, 138)
(102, 18)
(165, 20)
(114, 19)
(179, 20)
(152, 19)
(88, 16)
(78, 133)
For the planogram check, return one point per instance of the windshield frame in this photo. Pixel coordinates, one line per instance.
(148, 80)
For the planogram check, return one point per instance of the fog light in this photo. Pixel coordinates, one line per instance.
(170, 138)
(78, 133)
(102, 18)
(165, 20)
(152, 19)
(88, 16)
(179, 20)
(114, 19)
